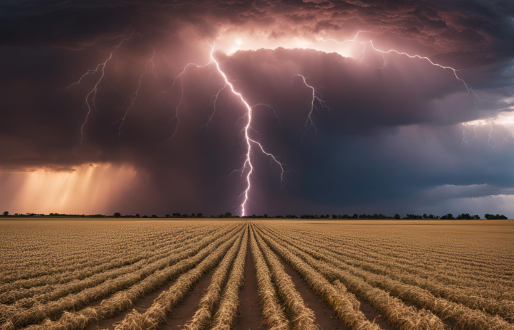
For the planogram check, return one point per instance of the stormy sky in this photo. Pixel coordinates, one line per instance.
(104, 111)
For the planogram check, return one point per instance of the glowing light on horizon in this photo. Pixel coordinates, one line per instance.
(88, 189)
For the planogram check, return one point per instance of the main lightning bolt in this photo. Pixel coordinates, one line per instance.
(247, 165)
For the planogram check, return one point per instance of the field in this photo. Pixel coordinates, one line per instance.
(214, 274)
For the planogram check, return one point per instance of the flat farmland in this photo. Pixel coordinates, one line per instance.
(274, 274)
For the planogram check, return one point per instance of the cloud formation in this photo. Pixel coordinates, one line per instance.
(396, 135)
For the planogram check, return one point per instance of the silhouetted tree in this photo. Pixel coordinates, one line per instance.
(137, 215)
(6, 213)
(199, 215)
(117, 214)
(228, 214)
(493, 217)
(397, 216)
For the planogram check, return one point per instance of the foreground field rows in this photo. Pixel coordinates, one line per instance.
(307, 275)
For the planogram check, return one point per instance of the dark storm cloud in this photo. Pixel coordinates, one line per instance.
(390, 135)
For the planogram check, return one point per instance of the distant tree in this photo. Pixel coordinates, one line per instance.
(334, 216)
(425, 216)
(265, 215)
(228, 214)
(154, 216)
(397, 216)
(493, 217)
(145, 216)
(6, 213)
(137, 215)
(185, 216)
(193, 215)
(167, 215)
(199, 215)
(117, 214)
(449, 216)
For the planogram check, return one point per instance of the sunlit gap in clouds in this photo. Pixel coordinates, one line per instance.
(230, 42)
(89, 189)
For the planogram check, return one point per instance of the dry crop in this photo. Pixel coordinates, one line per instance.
(135, 275)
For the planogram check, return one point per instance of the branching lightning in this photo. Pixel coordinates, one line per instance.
(90, 99)
(384, 52)
(132, 97)
(247, 165)
(459, 79)
(316, 96)
(177, 107)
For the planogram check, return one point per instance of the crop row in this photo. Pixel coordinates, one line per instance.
(447, 263)
(70, 254)
(448, 252)
(36, 273)
(454, 313)
(55, 286)
(273, 312)
(168, 299)
(467, 297)
(160, 271)
(396, 312)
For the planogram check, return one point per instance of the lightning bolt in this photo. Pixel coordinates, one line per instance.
(247, 165)
(177, 107)
(349, 40)
(315, 98)
(459, 79)
(384, 52)
(90, 99)
(132, 97)
(213, 104)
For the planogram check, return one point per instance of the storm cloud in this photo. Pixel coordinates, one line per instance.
(392, 133)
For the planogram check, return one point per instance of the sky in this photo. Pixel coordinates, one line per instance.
(253, 107)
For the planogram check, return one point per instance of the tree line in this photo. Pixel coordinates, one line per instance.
(449, 216)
